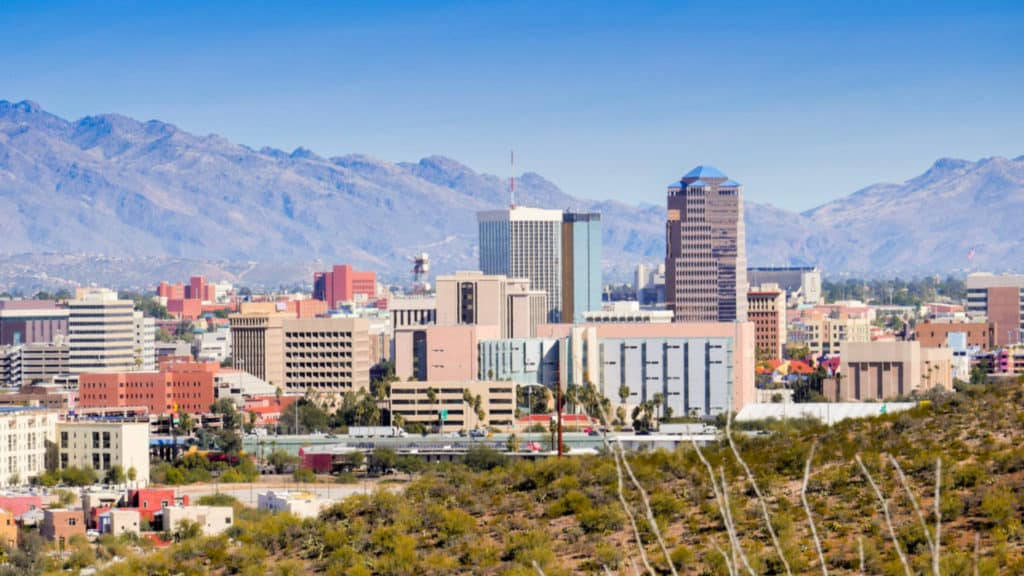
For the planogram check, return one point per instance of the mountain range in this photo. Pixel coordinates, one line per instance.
(114, 200)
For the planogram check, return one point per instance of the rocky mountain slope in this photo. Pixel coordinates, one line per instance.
(108, 188)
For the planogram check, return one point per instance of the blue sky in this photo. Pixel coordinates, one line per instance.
(801, 102)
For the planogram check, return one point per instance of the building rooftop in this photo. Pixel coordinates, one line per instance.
(704, 172)
(731, 184)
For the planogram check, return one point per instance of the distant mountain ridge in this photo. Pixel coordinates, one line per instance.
(149, 193)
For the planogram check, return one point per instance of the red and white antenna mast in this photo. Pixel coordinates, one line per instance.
(512, 179)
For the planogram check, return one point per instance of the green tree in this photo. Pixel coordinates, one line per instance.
(115, 475)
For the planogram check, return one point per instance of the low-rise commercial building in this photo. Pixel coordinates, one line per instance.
(300, 504)
(8, 530)
(60, 524)
(888, 370)
(455, 403)
(935, 333)
(118, 521)
(212, 520)
(102, 445)
(180, 387)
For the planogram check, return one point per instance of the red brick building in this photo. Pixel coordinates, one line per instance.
(149, 501)
(344, 284)
(186, 386)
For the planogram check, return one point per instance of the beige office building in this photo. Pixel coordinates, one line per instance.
(706, 257)
(40, 361)
(826, 335)
(326, 355)
(887, 370)
(411, 402)
(103, 445)
(101, 332)
(475, 298)
(257, 341)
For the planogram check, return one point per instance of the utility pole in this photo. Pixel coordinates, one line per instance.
(558, 408)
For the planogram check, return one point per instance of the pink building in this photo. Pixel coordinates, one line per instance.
(344, 284)
(440, 353)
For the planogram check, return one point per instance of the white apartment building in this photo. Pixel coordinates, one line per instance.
(524, 242)
(101, 332)
(212, 520)
(300, 504)
(23, 435)
(212, 346)
(144, 344)
(103, 445)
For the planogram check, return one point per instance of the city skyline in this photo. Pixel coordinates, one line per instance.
(604, 102)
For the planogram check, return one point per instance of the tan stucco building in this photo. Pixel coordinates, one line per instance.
(888, 370)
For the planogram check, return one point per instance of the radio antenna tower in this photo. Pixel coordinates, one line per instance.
(512, 179)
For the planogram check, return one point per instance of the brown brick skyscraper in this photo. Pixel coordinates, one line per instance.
(705, 251)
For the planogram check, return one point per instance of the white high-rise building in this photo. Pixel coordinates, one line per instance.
(144, 345)
(101, 332)
(525, 243)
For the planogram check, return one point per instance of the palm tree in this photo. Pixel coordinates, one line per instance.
(432, 398)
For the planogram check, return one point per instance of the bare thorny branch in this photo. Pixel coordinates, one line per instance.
(885, 511)
(757, 491)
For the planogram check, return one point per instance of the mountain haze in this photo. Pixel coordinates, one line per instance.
(155, 199)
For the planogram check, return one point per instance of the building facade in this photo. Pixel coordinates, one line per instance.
(525, 243)
(440, 353)
(177, 388)
(344, 284)
(412, 310)
(1000, 299)
(888, 370)
(40, 362)
(212, 520)
(326, 355)
(802, 284)
(102, 445)
(478, 299)
(23, 435)
(31, 321)
(144, 343)
(935, 334)
(449, 410)
(766, 309)
(257, 342)
(101, 333)
(705, 259)
(581, 264)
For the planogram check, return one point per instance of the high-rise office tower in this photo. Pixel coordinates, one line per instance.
(705, 256)
(101, 332)
(581, 264)
(525, 243)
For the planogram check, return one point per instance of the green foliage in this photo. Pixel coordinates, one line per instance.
(304, 475)
(480, 457)
(282, 461)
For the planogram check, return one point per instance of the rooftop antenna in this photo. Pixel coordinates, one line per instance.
(512, 179)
